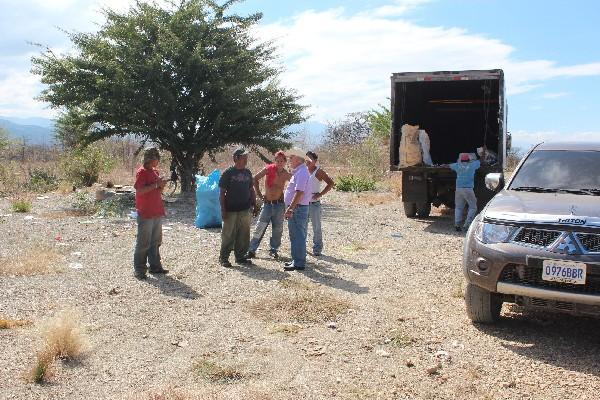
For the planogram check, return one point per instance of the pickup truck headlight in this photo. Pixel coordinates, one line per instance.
(493, 233)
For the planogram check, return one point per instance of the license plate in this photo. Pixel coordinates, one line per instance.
(564, 271)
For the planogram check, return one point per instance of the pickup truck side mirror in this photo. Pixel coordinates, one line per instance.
(494, 181)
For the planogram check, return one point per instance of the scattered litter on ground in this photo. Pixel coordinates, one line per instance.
(75, 265)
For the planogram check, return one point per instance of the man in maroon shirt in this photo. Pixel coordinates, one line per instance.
(148, 187)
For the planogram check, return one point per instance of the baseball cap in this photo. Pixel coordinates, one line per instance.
(240, 151)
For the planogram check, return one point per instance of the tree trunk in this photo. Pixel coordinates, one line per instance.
(187, 169)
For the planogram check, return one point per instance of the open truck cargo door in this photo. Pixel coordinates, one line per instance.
(460, 111)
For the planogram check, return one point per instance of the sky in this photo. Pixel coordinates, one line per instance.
(339, 55)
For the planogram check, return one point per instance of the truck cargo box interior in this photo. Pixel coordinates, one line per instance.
(459, 116)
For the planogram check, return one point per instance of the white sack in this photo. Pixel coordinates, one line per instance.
(425, 146)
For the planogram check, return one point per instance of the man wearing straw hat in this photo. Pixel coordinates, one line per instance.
(297, 197)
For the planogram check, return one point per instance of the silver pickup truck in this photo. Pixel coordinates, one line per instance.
(537, 242)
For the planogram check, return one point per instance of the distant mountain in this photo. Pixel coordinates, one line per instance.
(33, 130)
(41, 130)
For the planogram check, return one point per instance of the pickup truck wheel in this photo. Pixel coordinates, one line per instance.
(423, 210)
(482, 305)
(410, 209)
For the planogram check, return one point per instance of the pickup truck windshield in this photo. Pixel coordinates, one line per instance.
(559, 171)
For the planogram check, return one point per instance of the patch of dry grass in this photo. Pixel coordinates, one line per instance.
(42, 369)
(393, 183)
(60, 214)
(62, 336)
(285, 329)
(374, 198)
(202, 393)
(300, 303)
(400, 339)
(61, 339)
(33, 261)
(218, 373)
(9, 323)
(459, 290)
(372, 245)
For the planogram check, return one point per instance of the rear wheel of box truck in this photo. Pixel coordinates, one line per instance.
(423, 210)
(410, 209)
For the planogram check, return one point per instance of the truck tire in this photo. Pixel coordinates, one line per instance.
(423, 210)
(482, 305)
(410, 209)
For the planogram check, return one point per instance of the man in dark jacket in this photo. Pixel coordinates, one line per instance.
(238, 201)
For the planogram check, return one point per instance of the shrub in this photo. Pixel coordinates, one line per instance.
(351, 183)
(84, 203)
(41, 181)
(117, 206)
(62, 337)
(61, 340)
(84, 166)
(21, 206)
(42, 368)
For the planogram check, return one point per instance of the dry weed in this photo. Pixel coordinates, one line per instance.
(8, 323)
(60, 214)
(400, 339)
(34, 261)
(42, 369)
(62, 337)
(374, 198)
(217, 373)
(286, 329)
(459, 291)
(393, 183)
(301, 305)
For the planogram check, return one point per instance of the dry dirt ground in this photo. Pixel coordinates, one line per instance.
(365, 321)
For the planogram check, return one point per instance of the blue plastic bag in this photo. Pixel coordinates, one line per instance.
(208, 207)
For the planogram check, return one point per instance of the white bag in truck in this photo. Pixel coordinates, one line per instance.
(425, 146)
(410, 149)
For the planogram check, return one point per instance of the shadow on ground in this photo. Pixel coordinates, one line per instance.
(172, 287)
(324, 275)
(562, 340)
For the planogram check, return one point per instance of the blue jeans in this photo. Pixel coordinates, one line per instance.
(464, 196)
(315, 212)
(298, 227)
(270, 213)
(148, 241)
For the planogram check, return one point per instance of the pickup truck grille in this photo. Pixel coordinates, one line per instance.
(536, 237)
(590, 242)
(532, 276)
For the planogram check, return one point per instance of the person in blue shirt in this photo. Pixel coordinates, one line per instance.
(465, 178)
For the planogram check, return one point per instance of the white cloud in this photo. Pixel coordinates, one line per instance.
(525, 139)
(17, 92)
(554, 95)
(341, 63)
(397, 8)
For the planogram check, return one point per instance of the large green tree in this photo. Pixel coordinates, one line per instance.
(190, 77)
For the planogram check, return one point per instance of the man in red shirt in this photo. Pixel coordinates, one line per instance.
(148, 187)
